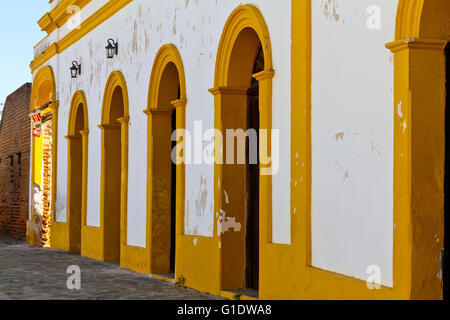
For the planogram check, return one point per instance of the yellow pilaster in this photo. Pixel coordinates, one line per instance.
(419, 155)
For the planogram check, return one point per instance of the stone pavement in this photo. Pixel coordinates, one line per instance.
(28, 273)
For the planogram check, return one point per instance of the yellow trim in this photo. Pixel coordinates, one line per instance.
(59, 15)
(408, 19)
(101, 15)
(157, 249)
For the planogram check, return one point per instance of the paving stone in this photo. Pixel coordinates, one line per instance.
(28, 273)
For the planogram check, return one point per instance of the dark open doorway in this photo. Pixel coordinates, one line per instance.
(253, 171)
(446, 258)
(76, 181)
(113, 177)
(173, 213)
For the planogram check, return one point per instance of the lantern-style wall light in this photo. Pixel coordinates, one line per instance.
(112, 49)
(75, 69)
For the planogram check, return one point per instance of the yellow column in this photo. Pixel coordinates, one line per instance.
(180, 107)
(158, 193)
(85, 135)
(124, 122)
(74, 186)
(419, 155)
(265, 190)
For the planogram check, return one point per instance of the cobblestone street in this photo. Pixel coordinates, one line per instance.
(28, 273)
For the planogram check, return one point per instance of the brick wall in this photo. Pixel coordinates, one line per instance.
(47, 183)
(15, 163)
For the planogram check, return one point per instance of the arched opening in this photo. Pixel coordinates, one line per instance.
(113, 165)
(241, 180)
(243, 103)
(164, 173)
(43, 160)
(114, 184)
(75, 184)
(77, 170)
(166, 114)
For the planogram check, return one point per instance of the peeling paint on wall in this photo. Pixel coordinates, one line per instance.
(226, 224)
(141, 28)
(330, 10)
(346, 149)
(352, 128)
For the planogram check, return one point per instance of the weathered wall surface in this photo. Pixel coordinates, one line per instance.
(15, 163)
(352, 136)
(141, 28)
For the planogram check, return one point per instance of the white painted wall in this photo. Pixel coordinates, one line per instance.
(352, 138)
(141, 28)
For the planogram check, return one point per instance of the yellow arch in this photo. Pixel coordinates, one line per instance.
(167, 54)
(116, 79)
(78, 99)
(43, 91)
(159, 119)
(244, 16)
(43, 76)
(414, 19)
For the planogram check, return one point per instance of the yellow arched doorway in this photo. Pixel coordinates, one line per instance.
(422, 32)
(165, 177)
(78, 133)
(43, 160)
(243, 100)
(114, 172)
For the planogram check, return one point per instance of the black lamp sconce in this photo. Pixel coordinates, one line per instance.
(75, 69)
(112, 49)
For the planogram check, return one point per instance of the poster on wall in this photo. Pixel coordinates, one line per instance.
(37, 124)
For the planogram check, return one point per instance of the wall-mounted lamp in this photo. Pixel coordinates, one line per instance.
(75, 69)
(112, 49)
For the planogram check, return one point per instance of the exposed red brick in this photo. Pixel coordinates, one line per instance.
(14, 176)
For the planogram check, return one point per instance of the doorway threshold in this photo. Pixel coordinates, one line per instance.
(242, 294)
(167, 277)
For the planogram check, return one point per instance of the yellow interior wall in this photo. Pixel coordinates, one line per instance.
(37, 158)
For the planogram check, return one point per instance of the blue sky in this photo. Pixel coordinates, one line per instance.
(19, 33)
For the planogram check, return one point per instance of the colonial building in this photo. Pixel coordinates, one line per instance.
(344, 198)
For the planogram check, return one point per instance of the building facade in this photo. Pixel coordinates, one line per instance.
(15, 163)
(344, 198)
